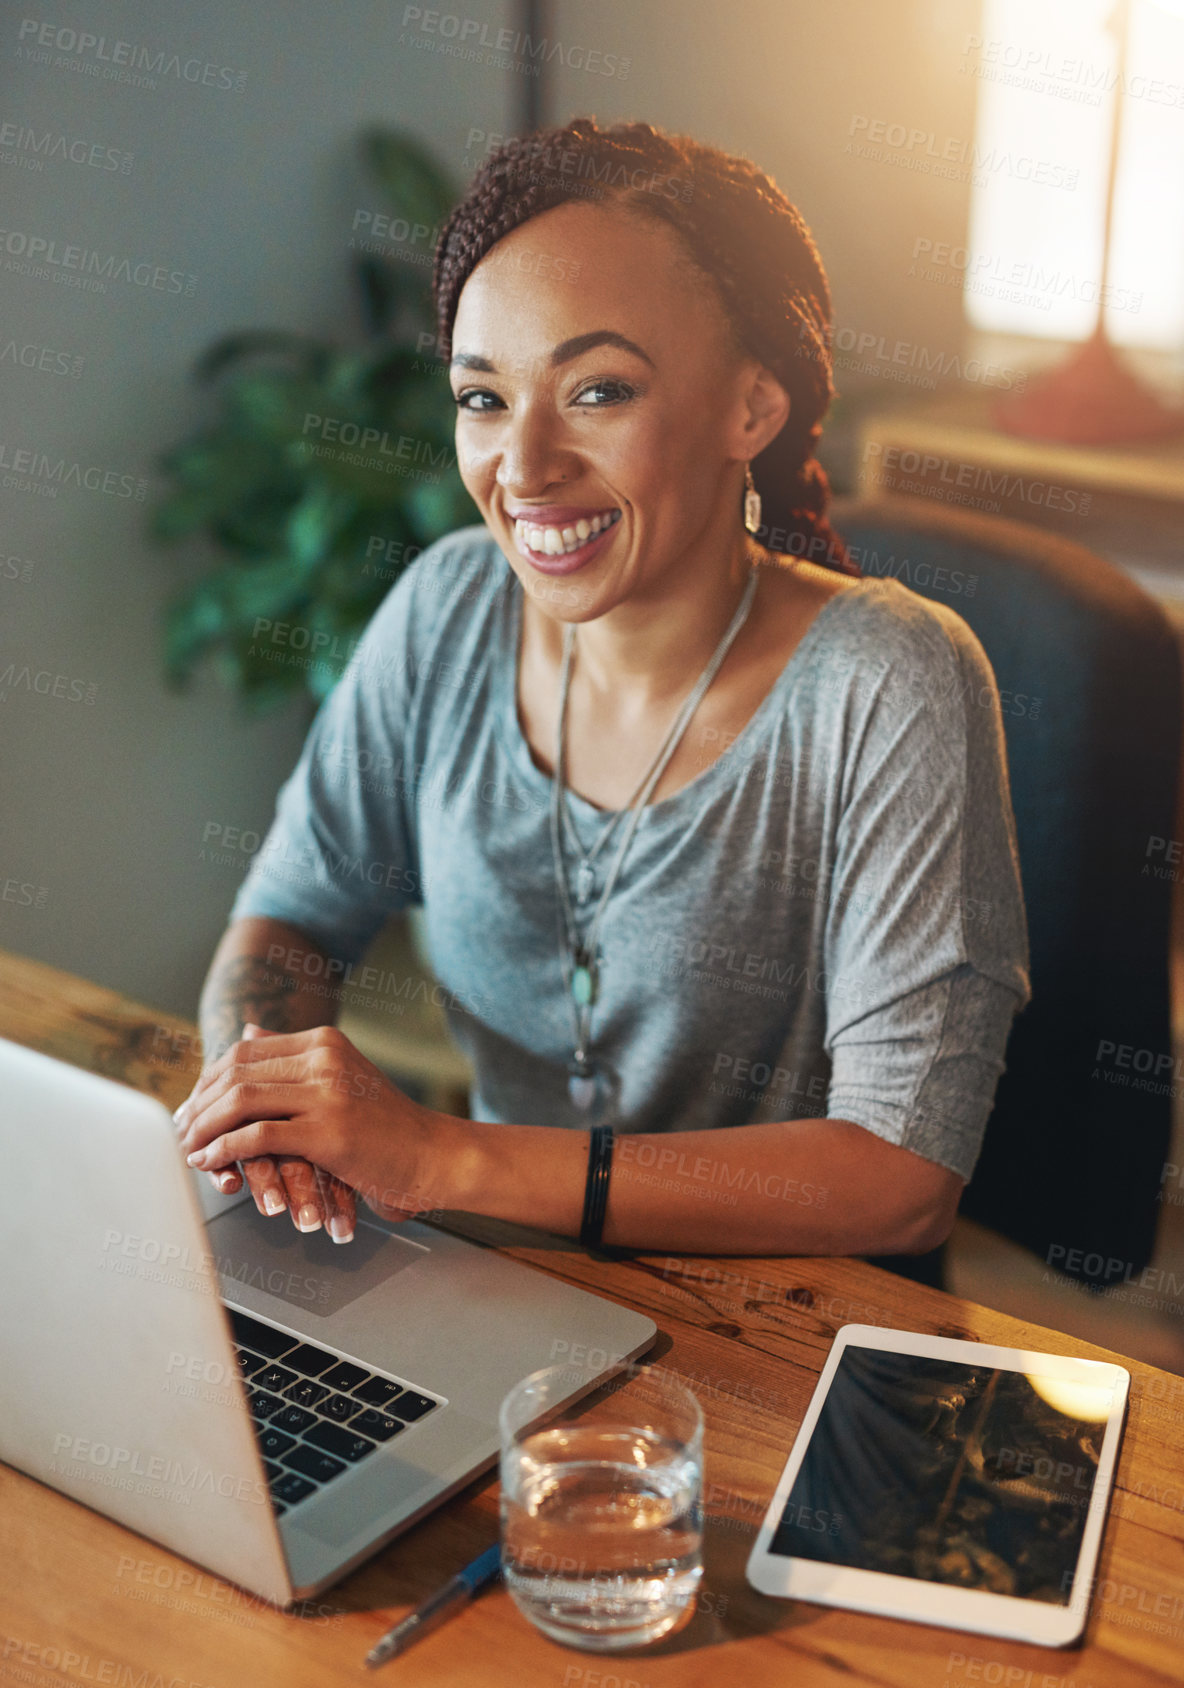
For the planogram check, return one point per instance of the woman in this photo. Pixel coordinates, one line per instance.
(700, 827)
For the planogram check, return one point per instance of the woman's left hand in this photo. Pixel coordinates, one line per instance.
(311, 1093)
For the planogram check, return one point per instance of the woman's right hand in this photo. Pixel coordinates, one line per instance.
(310, 1194)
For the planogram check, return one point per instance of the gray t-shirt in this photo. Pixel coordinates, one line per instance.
(826, 921)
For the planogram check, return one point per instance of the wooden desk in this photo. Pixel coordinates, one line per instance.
(84, 1600)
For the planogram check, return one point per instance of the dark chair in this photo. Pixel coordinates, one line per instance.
(1076, 1144)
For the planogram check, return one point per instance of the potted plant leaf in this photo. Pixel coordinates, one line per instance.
(325, 469)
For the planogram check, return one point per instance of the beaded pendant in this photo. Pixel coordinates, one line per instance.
(582, 1084)
(583, 978)
(585, 879)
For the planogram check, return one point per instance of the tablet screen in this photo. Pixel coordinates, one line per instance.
(950, 1473)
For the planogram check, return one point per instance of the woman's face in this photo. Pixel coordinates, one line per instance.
(602, 410)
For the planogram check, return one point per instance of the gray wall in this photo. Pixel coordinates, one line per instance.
(785, 84)
(103, 804)
(106, 793)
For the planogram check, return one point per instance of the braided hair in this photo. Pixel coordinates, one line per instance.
(737, 226)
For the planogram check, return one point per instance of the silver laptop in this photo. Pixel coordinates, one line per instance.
(267, 1403)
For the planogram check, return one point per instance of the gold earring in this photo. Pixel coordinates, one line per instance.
(752, 502)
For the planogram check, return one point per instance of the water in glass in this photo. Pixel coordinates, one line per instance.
(602, 1532)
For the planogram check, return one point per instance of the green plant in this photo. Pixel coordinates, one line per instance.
(313, 531)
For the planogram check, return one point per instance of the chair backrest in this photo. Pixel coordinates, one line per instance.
(1088, 668)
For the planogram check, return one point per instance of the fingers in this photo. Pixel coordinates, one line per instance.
(261, 1137)
(307, 1191)
(256, 1106)
(262, 1176)
(265, 1184)
(242, 1103)
(337, 1199)
(303, 1192)
(274, 1047)
(226, 1182)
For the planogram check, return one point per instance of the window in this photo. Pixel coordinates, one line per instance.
(1047, 74)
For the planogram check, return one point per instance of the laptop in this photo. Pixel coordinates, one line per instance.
(264, 1402)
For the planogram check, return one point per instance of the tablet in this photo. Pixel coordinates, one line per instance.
(948, 1482)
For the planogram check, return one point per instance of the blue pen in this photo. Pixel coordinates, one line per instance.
(456, 1591)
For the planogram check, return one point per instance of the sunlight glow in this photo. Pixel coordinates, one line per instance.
(1088, 1403)
(1047, 75)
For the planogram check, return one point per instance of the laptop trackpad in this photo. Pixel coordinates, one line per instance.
(306, 1269)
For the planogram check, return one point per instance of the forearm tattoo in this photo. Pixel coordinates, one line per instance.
(246, 988)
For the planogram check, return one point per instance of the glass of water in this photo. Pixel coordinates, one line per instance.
(601, 1505)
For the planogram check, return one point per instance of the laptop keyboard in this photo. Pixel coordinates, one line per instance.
(314, 1413)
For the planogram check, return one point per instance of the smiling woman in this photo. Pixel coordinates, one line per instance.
(702, 822)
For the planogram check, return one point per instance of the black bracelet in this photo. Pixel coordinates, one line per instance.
(600, 1160)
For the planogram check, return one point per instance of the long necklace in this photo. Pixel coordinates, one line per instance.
(578, 956)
